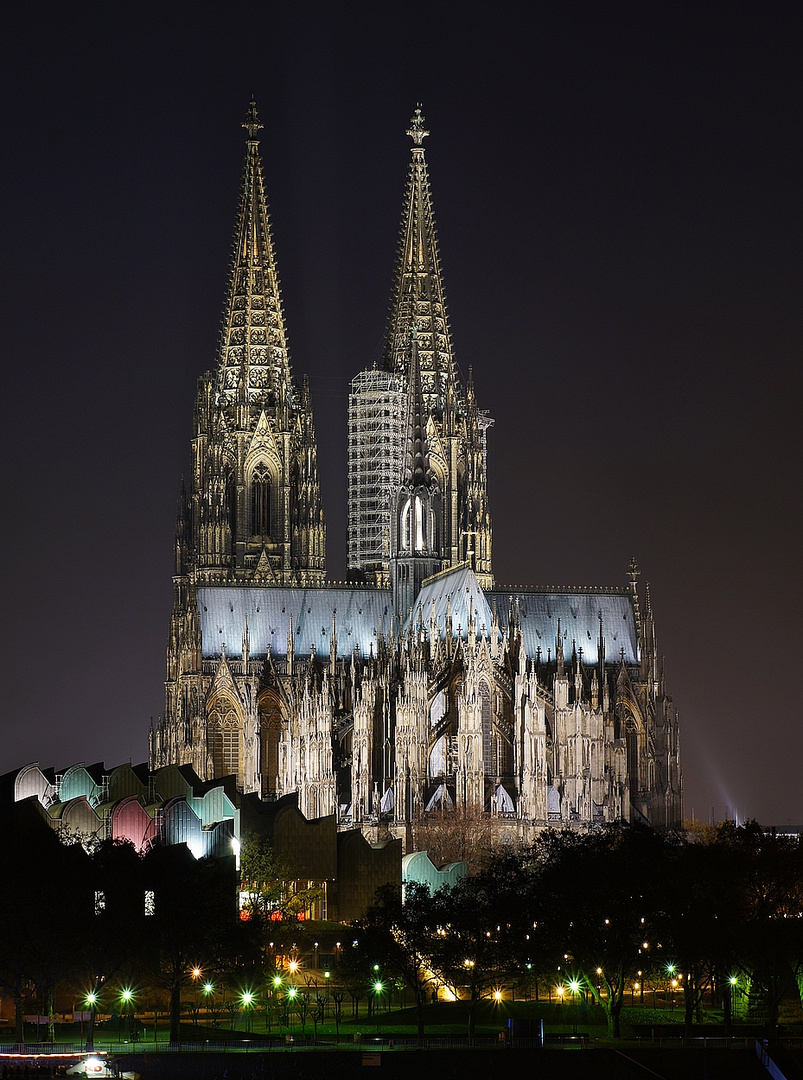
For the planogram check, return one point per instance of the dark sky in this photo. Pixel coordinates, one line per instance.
(618, 195)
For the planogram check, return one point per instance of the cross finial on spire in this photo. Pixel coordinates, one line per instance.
(416, 130)
(252, 124)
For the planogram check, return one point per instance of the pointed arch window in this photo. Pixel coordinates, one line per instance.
(405, 527)
(224, 740)
(419, 524)
(416, 524)
(260, 502)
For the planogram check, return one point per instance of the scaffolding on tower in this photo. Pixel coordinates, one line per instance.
(377, 428)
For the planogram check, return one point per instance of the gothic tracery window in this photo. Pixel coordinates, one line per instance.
(260, 501)
(224, 740)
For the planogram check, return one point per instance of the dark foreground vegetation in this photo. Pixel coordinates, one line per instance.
(621, 932)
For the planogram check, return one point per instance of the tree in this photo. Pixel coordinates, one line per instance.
(270, 885)
(401, 937)
(769, 878)
(479, 932)
(459, 835)
(591, 900)
(700, 911)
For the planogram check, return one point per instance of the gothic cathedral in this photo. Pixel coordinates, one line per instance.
(421, 686)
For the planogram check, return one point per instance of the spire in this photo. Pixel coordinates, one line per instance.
(418, 292)
(254, 363)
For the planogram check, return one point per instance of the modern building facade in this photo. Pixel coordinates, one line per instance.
(421, 686)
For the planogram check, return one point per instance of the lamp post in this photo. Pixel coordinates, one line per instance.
(290, 999)
(127, 999)
(91, 1000)
(208, 991)
(671, 981)
(247, 999)
(377, 988)
(574, 989)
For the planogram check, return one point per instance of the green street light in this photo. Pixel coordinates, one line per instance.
(208, 989)
(247, 1000)
(91, 999)
(127, 997)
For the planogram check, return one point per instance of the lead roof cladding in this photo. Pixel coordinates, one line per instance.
(360, 616)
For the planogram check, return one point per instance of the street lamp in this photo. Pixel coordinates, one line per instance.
(91, 1000)
(247, 999)
(290, 1000)
(378, 987)
(127, 999)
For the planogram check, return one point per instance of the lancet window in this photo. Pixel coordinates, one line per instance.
(417, 525)
(260, 501)
(224, 740)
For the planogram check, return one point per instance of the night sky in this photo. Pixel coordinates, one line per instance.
(618, 197)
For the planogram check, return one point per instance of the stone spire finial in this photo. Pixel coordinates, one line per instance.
(416, 130)
(251, 122)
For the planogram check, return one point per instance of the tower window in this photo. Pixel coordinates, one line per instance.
(260, 502)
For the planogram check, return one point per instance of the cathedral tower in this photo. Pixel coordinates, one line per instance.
(449, 431)
(254, 508)
(251, 514)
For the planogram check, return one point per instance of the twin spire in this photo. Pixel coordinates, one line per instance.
(254, 361)
(418, 304)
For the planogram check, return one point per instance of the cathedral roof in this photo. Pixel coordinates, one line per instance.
(254, 362)
(582, 613)
(359, 616)
(454, 593)
(418, 293)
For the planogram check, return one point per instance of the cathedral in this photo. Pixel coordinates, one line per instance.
(421, 686)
